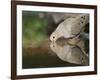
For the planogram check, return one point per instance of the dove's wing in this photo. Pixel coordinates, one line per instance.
(75, 27)
(64, 29)
(62, 16)
(77, 24)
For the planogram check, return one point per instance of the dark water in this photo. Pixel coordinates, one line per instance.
(52, 55)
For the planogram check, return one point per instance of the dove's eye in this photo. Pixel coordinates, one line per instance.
(53, 37)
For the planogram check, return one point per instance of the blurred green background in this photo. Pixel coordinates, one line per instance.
(33, 27)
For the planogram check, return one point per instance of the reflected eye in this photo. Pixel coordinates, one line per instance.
(82, 22)
(53, 46)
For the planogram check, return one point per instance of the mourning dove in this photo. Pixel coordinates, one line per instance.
(70, 27)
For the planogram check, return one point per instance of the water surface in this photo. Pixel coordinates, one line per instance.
(48, 54)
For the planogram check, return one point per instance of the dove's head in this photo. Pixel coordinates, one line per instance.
(53, 36)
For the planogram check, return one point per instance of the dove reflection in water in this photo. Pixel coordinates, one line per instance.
(69, 53)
